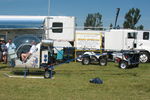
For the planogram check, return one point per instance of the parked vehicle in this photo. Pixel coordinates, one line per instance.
(127, 59)
(91, 57)
(128, 39)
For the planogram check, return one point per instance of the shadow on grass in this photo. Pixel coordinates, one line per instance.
(123, 74)
(22, 72)
(4, 67)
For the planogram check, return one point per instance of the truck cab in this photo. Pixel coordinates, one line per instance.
(128, 39)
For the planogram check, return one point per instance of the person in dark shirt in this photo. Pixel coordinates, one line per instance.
(1, 52)
(4, 50)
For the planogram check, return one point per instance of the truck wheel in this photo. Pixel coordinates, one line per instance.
(123, 65)
(47, 74)
(86, 60)
(144, 57)
(103, 61)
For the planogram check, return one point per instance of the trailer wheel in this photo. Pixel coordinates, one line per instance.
(103, 61)
(47, 74)
(123, 65)
(144, 57)
(86, 60)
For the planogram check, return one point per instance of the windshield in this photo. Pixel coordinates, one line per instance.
(25, 39)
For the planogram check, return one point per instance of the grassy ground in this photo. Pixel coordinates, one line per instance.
(71, 82)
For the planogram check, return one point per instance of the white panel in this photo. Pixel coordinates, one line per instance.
(88, 39)
(117, 39)
(113, 40)
(68, 33)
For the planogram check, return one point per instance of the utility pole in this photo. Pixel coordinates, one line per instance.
(118, 10)
(48, 8)
(48, 20)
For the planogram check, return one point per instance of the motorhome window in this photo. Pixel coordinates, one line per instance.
(146, 36)
(132, 35)
(57, 27)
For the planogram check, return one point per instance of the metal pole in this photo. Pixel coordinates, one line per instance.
(48, 19)
(48, 7)
(118, 9)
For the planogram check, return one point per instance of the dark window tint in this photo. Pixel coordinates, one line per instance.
(146, 36)
(57, 27)
(132, 35)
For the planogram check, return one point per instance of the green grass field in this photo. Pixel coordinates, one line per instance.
(71, 82)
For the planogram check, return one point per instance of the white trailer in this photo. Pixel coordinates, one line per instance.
(127, 39)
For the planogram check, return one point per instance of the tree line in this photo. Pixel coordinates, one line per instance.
(132, 17)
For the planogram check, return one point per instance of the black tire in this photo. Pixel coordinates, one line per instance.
(47, 74)
(103, 61)
(86, 60)
(136, 65)
(123, 65)
(144, 57)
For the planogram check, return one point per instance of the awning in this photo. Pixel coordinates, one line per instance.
(21, 22)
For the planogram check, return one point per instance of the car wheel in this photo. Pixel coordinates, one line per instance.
(144, 57)
(103, 61)
(123, 65)
(86, 60)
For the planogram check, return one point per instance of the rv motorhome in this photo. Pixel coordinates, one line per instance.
(127, 39)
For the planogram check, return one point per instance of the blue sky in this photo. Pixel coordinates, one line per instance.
(78, 8)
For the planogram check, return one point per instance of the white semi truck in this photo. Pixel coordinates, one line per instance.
(128, 39)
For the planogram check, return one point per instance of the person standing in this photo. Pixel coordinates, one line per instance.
(4, 50)
(11, 49)
(1, 52)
